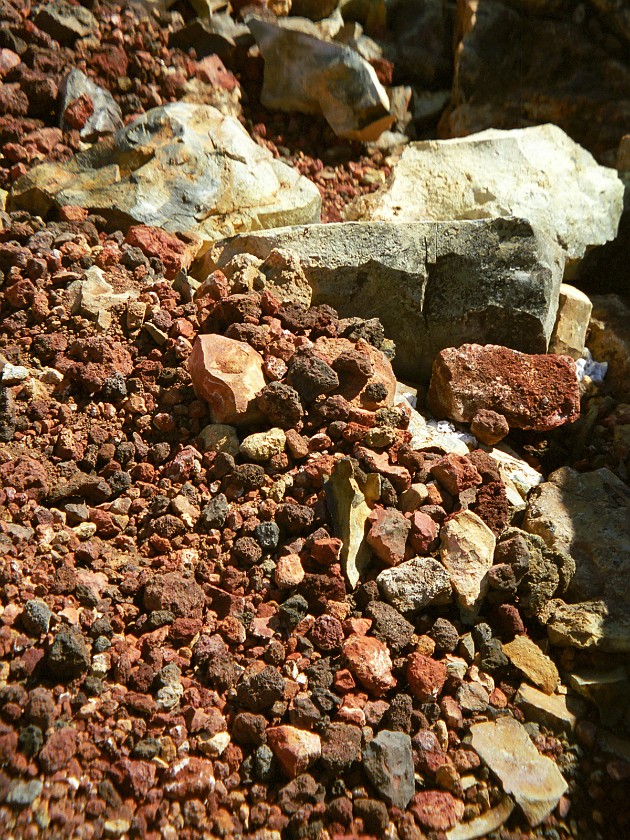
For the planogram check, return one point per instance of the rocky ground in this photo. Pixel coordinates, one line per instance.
(248, 589)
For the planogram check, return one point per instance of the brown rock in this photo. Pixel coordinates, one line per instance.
(228, 375)
(58, 750)
(537, 392)
(370, 662)
(489, 427)
(388, 533)
(183, 596)
(455, 473)
(188, 778)
(154, 242)
(425, 676)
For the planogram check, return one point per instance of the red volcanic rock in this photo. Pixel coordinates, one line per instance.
(295, 749)
(531, 392)
(370, 662)
(228, 375)
(436, 810)
(387, 536)
(455, 473)
(79, 111)
(425, 676)
(154, 242)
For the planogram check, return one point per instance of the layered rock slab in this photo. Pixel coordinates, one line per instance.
(181, 167)
(432, 284)
(536, 173)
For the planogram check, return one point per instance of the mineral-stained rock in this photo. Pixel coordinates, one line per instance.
(106, 116)
(431, 284)
(536, 173)
(437, 810)
(261, 446)
(181, 167)
(370, 662)
(467, 551)
(531, 661)
(502, 62)
(388, 762)
(388, 535)
(532, 392)
(415, 584)
(426, 677)
(349, 512)
(228, 375)
(307, 74)
(532, 779)
(295, 749)
(587, 515)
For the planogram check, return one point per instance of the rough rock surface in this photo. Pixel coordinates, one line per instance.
(535, 173)
(431, 284)
(106, 116)
(388, 762)
(467, 551)
(225, 183)
(531, 392)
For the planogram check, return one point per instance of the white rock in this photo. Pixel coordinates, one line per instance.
(467, 552)
(536, 173)
(415, 584)
(13, 374)
(532, 779)
(572, 319)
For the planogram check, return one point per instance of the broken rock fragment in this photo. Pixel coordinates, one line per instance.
(304, 73)
(349, 512)
(103, 115)
(369, 660)
(388, 762)
(228, 375)
(415, 584)
(295, 749)
(537, 392)
(532, 779)
(467, 551)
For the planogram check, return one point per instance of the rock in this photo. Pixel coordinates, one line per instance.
(341, 746)
(586, 515)
(531, 661)
(66, 23)
(280, 403)
(483, 825)
(59, 749)
(532, 779)
(289, 571)
(25, 793)
(467, 551)
(174, 252)
(536, 173)
(390, 626)
(538, 392)
(228, 375)
(262, 446)
(388, 763)
(285, 279)
(370, 662)
(431, 284)
(171, 591)
(455, 473)
(194, 171)
(307, 74)
(95, 297)
(436, 810)
(349, 512)
(549, 710)
(387, 535)
(609, 341)
(106, 116)
(426, 677)
(217, 437)
(295, 749)
(489, 427)
(36, 617)
(188, 778)
(569, 333)
(69, 656)
(260, 689)
(608, 690)
(416, 584)
(587, 95)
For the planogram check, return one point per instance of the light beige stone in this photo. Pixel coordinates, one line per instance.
(217, 437)
(261, 446)
(467, 551)
(572, 319)
(349, 512)
(549, 709)
(289, 571)
(531, 661)
(532, 779)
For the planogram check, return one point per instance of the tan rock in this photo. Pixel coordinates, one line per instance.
(289, 571)
(228, 375)
(550, 710)
(532, 779)
(349, 511)
(217, 437)
(467, 551)
(529, 658)
(572, 319)
(261, 446)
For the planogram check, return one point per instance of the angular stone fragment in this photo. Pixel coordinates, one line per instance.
(531, 661)
(388, 533)
(550, 710)
(388, 762)
(426, 677)
(572, 320)
(483, 825)
(536, 173)
(467, 551)
(349, 512)
(295, 749)
(218, 437)
(431, 284)
(182, 167)
(106, 117)
(532, 779)
(537, 392)
(64, 22)
(304, 73)
(228, 375)
(415, 584)
(587, 515)
(370, 662)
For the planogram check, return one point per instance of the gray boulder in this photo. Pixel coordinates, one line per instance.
(182, 167)
(535, 173)
(432, 284)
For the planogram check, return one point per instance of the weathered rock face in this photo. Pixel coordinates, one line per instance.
(304, 73)
(228, 375)
(467, 550)
(105, 116)
(432, 284)
(533, 780)
(574, 312)
(181, 167)
(509, 52)
(532, 392)
(587, 515)
(535, 173)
